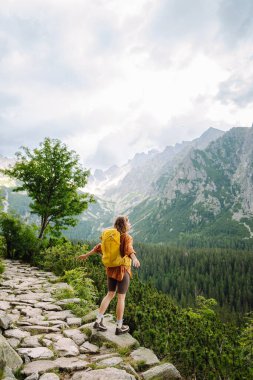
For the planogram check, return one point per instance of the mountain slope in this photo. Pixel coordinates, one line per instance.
(209, 194)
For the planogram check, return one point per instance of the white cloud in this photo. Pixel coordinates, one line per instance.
(113, 76)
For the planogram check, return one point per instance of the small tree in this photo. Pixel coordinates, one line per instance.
(52, 175)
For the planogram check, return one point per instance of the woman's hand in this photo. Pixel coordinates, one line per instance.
(136, 262)
(83, 257)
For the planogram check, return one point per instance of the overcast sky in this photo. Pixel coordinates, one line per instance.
(111, 78)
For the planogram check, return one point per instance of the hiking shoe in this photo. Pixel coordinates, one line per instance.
(122, 330)
(99, 326)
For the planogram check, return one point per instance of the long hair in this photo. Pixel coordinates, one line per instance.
(121, 224)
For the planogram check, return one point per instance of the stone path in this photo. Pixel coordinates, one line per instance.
(43, 341)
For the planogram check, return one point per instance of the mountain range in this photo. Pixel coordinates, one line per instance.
(198, 190)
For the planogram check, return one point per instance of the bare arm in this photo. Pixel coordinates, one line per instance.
(86, 255)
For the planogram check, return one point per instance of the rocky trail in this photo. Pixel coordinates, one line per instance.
(40, 339)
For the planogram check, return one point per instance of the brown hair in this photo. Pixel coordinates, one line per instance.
(121, 224)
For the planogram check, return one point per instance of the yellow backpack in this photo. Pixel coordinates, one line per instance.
(111, 249)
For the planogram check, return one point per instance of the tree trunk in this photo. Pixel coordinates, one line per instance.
(44, 223)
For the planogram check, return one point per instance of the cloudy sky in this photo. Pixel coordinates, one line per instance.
(113, 77)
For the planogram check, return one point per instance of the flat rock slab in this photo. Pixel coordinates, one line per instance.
(32, 296)
(161, 372)
(31, 312)
(48, 306)
(41, 329)
(110, 361)
(146, 355)
(88, 348)
(63, 315)
(16, 333)
(61, 285)
(13, 342)
(68, 300)
(39, 366)
(74, 321)
(66, 347)
(124, 340)
(5, 305)
(49, 376)
(96, 358)
(31, 341)
(9, 356)
(75, 334)
(91, 316)
(54, 337)
(73, 364)
(5, 320)
(36, 352)
(103, 374)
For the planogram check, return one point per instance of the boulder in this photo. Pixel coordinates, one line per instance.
(8, 374)
(9, 356)
(165, 371)
(145, 355)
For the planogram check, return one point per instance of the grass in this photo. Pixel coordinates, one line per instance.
(124, 351)
(87, 331)
(95, 366)
(80, 310)
(18, 375)
(139, 365)
(61, 294)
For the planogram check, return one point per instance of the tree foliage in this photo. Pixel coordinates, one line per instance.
(52, 175)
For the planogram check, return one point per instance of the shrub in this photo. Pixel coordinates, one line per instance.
(2, 246)
(21, 241)
(83, 286)
(60, 257)
(1, 267)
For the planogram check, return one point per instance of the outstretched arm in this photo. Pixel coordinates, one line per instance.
(86, 255)
(96, 249)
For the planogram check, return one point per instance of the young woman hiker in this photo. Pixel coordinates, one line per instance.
(118, 277)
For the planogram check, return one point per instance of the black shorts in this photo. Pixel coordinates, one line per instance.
(122, 286)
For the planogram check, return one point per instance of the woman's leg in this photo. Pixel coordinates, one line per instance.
(122, 290)
(120, 306)
(106, 301)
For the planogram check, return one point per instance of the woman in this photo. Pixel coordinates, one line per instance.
(118, 278)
